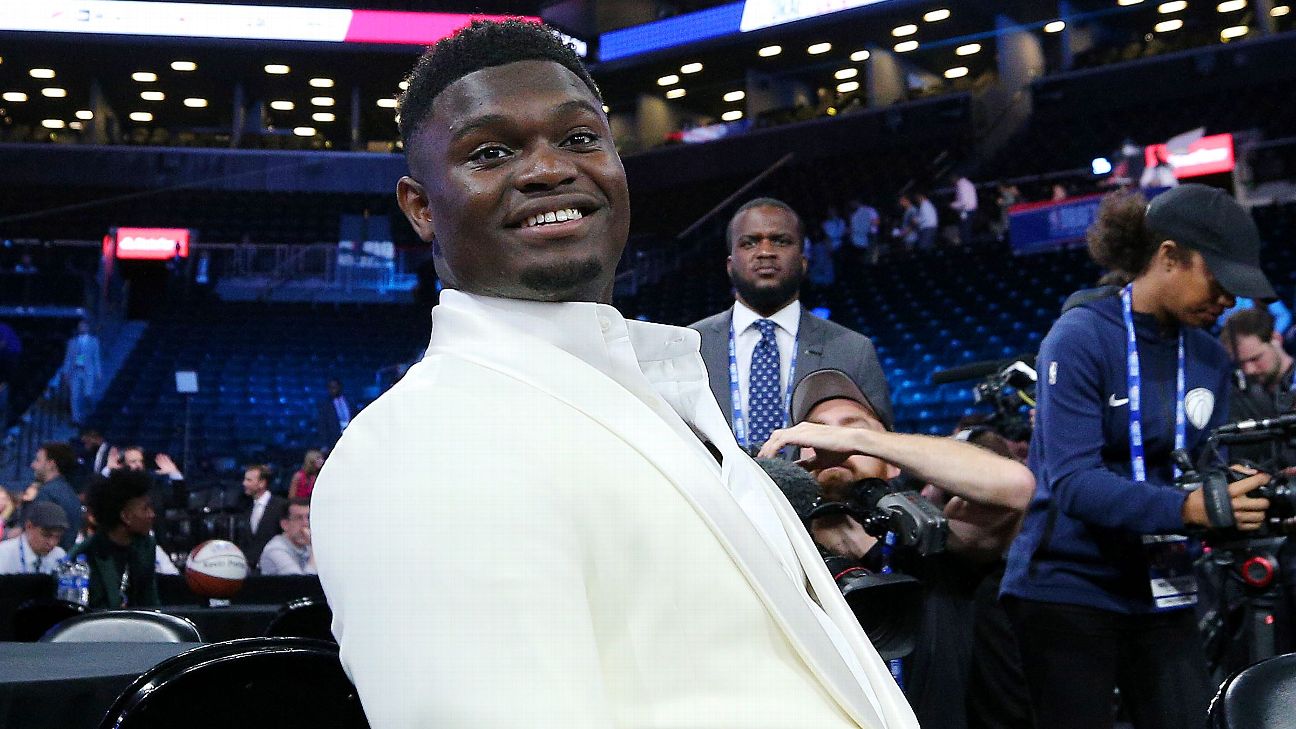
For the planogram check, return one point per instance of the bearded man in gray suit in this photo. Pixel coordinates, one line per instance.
(758, 350)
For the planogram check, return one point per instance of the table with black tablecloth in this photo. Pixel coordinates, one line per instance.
(71, 685)
(218, 624)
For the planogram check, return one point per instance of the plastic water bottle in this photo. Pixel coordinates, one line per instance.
(81, 581)
(66, 581)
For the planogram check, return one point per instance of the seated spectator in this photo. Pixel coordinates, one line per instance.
(303, 482)
(53, 462)
(121, 553)
(37, 551)
(290, 553)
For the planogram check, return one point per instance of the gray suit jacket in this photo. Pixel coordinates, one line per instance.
(823, 345)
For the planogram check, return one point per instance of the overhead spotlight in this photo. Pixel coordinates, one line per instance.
(858, 56)
(85, 115)
(967, 50)
(846, 73)
(282, 105)
(691, 68)
(141, 116)
(848, 87)
(195, 102)
(1236, 31)
(76, 125)
(936, 15)
(818, 48)
(304, 131)
(41, 73)
(322, 83)
(906, 46)
(732, 115)
(54, 92)
(323, 116)
(735, 96)
(675, 94)
(152, 95)
(1167, 26)
(1280, 10)
(403, 85)
(1128, 2)
(184, 66)
(1229, 6)
(1100, 166)
(1173, 6)
(144, 77)
(53, 123)
(956, 72)
(14, 96)
(904, 30)
(387, 103)
(322, 101)
(1055, 27)
(768, 51)
(668, 80)
(277, 69)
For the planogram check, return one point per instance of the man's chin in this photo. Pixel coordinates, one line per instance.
(575, 280)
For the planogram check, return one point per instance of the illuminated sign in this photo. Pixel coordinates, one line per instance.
(152, 244)
(1206, 156)
(759, 14)
(250, 22)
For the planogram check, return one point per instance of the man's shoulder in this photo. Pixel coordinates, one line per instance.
(9, 546)
(832, 330)
(716, 322)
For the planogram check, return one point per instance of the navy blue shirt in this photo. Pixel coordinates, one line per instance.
(59, 492)
(1080, 542)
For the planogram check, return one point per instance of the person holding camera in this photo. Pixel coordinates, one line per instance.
(1100, 582)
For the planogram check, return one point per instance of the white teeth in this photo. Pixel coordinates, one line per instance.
(556, 216)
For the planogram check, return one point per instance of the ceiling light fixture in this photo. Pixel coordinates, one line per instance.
(144, 77)
(14, 96)
(41, 73)
(848, 87)
(1280, 10)
(956, 72)
(277, 69)
(322, 101)
(968, 49)
(141, 116)
(858, 56)
(735, 96)
(937, 15)
(54, 92)
(1173, 6)
(323, 116)
(818, 48)
(76, 125)
(184, 66)
(846, 73)
(904, 30)
(152, 95)
(282, 105)
(1128, 2)
(1229, 6)
(675, 94)
(85, 114)
(1236, 31)
(668, 80)
(322, 83)
(387, 103)
(906, 46)
(1167, 26)
(53, 123)
(732, 115)
(768, 51)
(1056, 26)
(691, 68)
(304, 131)
(195, 102)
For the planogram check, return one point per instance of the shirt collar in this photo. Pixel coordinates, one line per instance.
(263, 499)
(788, 318)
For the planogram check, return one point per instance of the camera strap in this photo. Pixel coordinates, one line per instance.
(735, 391)
(1171, 578)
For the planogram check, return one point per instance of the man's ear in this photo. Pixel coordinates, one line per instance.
(413, 201)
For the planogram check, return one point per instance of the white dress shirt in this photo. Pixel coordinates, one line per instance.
(259, 507)
(747, 336)
(965, 196)
(17, 558)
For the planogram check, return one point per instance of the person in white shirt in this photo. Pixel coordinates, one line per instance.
(965, 204)
(36, 550)
(631, 580)
(864, 223)
(290, 553)
(82, 371)
(927, 221)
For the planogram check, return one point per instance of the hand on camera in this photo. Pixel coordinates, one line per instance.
(823, 446)
(1248, 512)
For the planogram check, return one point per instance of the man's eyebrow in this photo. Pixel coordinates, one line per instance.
(494, 120)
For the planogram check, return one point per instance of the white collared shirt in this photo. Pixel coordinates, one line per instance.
(965, 195)
(747, 336)
(17, 558)
(259, 507)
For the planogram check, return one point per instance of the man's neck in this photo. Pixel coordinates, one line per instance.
(769, 311)
(120, 536)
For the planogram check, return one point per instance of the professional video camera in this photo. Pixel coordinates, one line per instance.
(1008, 386)
(917, 524)
(1243, 572)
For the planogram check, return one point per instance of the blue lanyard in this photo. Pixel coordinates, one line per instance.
(1138, 466)
(895, 665)
(22, 556)
(735, 392)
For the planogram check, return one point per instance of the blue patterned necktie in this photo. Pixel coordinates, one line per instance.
(763, 397)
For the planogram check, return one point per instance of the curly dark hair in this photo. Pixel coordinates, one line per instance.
(483, 44)
(1120, 240)
(109, 496)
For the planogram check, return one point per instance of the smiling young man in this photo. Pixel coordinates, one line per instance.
(757, 350)
(631, 580)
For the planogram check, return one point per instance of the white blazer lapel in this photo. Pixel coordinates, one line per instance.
(554, 371)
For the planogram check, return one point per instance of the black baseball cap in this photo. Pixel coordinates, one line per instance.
(46, 515)
(831, 384)
(1209, 221)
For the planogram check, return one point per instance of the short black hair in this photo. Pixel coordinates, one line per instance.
(109, 496)
(62, 456)
(1254, 321)
(764, 202)
(483, 44)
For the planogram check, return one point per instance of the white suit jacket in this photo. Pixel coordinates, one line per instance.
(526, 531)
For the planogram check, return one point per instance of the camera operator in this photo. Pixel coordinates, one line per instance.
(1256, 350)
(844, 445)
(1099, 586)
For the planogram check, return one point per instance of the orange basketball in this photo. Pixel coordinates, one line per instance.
(216, 569)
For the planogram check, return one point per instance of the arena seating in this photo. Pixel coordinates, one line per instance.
(44, 340)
